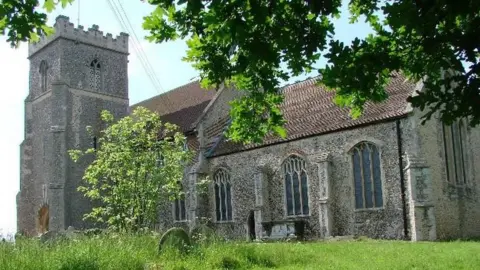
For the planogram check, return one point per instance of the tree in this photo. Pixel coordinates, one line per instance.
(246, 42)
(21, 21)
(137, 165)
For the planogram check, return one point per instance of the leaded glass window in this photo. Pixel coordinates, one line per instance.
(223, 195)
(296, 186)
(95, 75)
(179, 207)
(43, 75)
(367, 176)
(454, 143)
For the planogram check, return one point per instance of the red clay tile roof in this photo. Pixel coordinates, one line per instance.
(181, 106)
(309, 110)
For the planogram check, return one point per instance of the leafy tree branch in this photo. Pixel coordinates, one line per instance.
(245, 43)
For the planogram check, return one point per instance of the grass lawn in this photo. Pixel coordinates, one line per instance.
(134, 252)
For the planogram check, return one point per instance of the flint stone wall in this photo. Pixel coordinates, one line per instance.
(386, 222)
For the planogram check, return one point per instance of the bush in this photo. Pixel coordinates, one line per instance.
(203, 234)
(176, 238)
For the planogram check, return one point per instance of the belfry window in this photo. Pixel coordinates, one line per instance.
(43, 76)
(296, 186)
(223, 195)
(95, 75)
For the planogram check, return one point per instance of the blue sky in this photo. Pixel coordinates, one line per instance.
(165, 59)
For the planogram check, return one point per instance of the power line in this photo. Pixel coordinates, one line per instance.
(140, 53)
(139, 45)
(143, 59)
(134, 45)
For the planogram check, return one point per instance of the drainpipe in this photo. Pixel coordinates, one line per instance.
(402, 180)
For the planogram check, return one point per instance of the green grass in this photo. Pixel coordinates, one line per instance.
(134, 252)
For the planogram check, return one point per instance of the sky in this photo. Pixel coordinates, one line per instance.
(164, 58)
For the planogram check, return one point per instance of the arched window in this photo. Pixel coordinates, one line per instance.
(367, 176)
(43, 75)
(223, 195)
(454, 142)
(296, 186)
(179, 206)
(95, 75)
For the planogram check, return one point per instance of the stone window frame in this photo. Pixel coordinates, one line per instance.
(43, 70)
(349, 159)
(177, 203)
(232, 196)
(284, 193)
(98, 67)
(449, 149)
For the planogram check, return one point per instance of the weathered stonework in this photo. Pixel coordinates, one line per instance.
(418, 202)
(421, 211)
(56, 118)
(325, 211)
(457, 207)
(332, 211)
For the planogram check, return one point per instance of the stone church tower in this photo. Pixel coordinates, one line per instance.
(74, 75)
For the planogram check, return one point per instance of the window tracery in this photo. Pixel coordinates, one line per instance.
(296, 186)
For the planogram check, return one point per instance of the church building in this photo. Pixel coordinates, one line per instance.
(383, 175)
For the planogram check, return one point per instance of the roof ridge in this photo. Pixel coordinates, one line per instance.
(288, 86)
(166, 92)
(310, 111)
(305, 82)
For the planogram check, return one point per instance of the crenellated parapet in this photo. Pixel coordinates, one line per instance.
(93, 36)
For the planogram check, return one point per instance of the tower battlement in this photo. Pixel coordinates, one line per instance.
(93, 36)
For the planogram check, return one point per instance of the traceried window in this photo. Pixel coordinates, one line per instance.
(95, 75)
(179, 212)
(454, 142)
(296, 186)
(43, 75)
(223, 195)
(367, 176)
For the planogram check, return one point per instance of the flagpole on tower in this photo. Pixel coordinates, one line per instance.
(78, 15)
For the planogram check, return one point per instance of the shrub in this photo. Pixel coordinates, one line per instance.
(203, 234)
(176, 238)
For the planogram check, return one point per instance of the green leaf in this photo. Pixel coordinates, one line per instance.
(34, 37)
(281, 131)
(49, 5)
(48, 30)
(66, 2)
(125, 175)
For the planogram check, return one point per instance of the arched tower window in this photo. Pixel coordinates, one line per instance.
(43, 75)
(95, 75)
(296, 186)
(223, 195)
(367, 176)
(179, 206)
